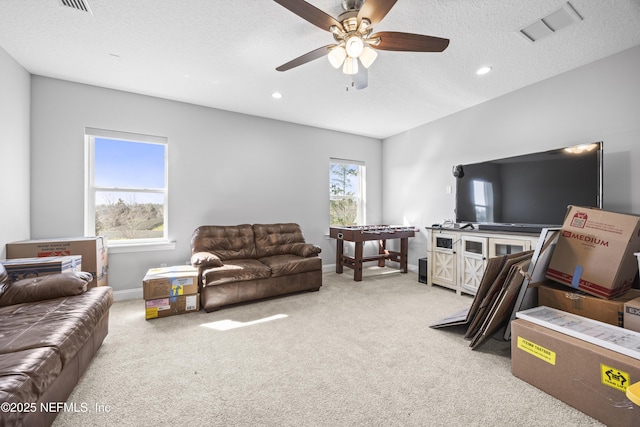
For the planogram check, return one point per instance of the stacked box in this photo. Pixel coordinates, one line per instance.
(595, 252)
(632, 315)
(168, 291)
(93, 250)
(25, 268)
(611, 311)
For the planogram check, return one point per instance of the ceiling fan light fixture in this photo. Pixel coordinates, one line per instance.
(354, 46)
(350, 66)
(367, 56)
(336, 56)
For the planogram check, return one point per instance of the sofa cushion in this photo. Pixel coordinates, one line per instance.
(45, 287)
(279, 239)
(235, 270)
(284, 265)
(64, 323)
(26, 374)
(225, 241)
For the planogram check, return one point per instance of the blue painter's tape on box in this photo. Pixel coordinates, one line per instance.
(24, 268)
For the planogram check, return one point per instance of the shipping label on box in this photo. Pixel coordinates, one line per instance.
(163, 307)
(93, 250)
(595, 251)
(24, 268)
(170, 281)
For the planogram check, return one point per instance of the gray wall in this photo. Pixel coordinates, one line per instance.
(224, 168)
(597, 102)
(14, 151)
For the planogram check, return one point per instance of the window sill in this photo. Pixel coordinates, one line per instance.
(140, 247)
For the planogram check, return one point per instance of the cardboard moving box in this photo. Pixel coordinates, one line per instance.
(170, 281)
(595, 251)
(24, 268)
(632, 315)
(574, 301)
(93, 250)
(591, 378)
(163, 307)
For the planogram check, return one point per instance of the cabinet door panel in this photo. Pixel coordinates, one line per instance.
(473, 262)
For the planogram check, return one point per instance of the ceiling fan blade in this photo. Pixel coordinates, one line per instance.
(375, 10)
(391, 40)
(310, 13)
(361, 78)
(307, 57)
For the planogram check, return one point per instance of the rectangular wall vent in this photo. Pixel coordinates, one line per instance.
(80, 5)
(551, 23)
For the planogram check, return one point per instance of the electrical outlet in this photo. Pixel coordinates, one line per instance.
(163, 264)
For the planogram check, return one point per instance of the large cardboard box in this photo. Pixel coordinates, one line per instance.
(170, 282)
(163, 307)
(24, 268)
(575, 301)
(591, 378)
(93, 250)
(632, 315)
(595, 251)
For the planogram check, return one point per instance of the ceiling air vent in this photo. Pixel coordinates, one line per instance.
(80, 5)
(551, 23)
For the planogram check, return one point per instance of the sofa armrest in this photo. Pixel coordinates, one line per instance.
(305, 249)
(45, 287)
(205, 259)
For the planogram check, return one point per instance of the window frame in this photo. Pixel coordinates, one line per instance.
(154, 243)
(359, 198)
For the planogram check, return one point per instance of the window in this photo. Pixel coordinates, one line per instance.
(346, 192)
(126, 186)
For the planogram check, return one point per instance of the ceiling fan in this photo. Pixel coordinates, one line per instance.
(355, 46)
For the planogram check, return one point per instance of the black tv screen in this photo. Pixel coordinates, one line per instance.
(532, 189)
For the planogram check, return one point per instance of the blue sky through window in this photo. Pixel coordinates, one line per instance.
(129, 164)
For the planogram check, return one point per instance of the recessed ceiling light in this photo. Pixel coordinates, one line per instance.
(276, 95)
(483, 70)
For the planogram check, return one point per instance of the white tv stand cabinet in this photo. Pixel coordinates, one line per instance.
(457, 257)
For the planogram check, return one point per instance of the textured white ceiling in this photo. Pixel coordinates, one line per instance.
(223, 54)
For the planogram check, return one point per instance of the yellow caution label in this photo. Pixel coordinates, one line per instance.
(151, 313)
(615, 378)
(177, 290)
(537, 350)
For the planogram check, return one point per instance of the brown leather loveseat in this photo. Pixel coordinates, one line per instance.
(246, 262)
(50, 328)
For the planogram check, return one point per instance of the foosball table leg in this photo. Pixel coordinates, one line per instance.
(339, 253)
(357, 268)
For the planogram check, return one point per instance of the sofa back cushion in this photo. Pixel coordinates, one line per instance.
(225, 241)
(277, 239)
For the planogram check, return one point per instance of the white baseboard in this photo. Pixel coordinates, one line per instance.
(127, 294)
(328, 268)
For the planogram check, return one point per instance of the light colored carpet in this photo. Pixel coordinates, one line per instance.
(352, 354)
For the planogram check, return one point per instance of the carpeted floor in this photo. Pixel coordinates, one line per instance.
(352, 354)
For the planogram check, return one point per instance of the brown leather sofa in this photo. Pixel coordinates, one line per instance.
(50, 329)
(250, 262)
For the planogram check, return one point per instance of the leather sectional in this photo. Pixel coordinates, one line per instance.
(50, 329)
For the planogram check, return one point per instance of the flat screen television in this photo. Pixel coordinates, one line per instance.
(529, 192)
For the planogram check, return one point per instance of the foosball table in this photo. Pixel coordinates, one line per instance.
(361, 234)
